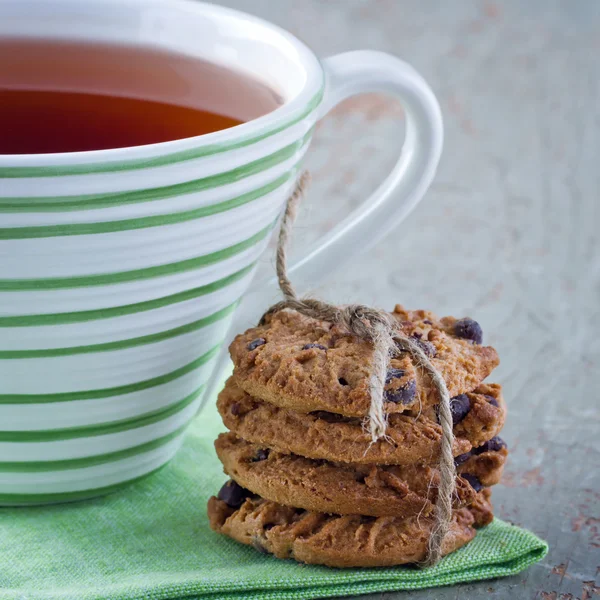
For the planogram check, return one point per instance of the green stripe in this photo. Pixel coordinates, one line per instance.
(36, 204)
(119, 311)
(190, 264)
(158, 161)
(46, 231)
(121, 344)
(61, 435)
(33, 499)
(90, 461)
(110, 392)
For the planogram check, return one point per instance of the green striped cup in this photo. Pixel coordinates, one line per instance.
(121, 269)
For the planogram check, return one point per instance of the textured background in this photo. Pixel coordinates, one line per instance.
(507, 233)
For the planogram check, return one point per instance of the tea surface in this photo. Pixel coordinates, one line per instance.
(67, 97)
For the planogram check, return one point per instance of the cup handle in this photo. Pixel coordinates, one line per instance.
(354, 73)
(348, 74)
(360, 72)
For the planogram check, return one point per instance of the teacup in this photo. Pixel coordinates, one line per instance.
(121, 269)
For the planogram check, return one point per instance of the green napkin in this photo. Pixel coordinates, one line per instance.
(152, 542)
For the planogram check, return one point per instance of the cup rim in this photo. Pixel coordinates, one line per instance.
(291, 111)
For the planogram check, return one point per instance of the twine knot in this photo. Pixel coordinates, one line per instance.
(380, 329)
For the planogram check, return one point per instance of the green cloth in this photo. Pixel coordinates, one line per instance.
(152, 542)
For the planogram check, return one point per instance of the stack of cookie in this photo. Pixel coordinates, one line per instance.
(306, 481)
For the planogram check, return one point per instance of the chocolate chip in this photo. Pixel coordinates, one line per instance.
(342, 381)
(460, 406)
(473, 481)
(427, 347)
(493, 445)
(427, 322)
(233, 495)
(235, 409)
(261, 454)
(417, 334)
(493, 401)
(309, 346)
(268, 526)
(394, 374)
(403, 395)
(461, 458)
(328, 417)
(256, 343)
(469, 330)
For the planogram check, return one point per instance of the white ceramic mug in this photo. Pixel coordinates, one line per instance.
(120, 269)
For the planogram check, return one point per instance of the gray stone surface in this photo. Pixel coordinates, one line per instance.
(507, 234)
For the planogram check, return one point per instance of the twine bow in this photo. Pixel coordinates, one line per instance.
(381, 330)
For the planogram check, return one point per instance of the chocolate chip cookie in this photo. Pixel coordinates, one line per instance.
(307, 365)
(306, 480)
(337, 540)
(341, 488)
(323, 435)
